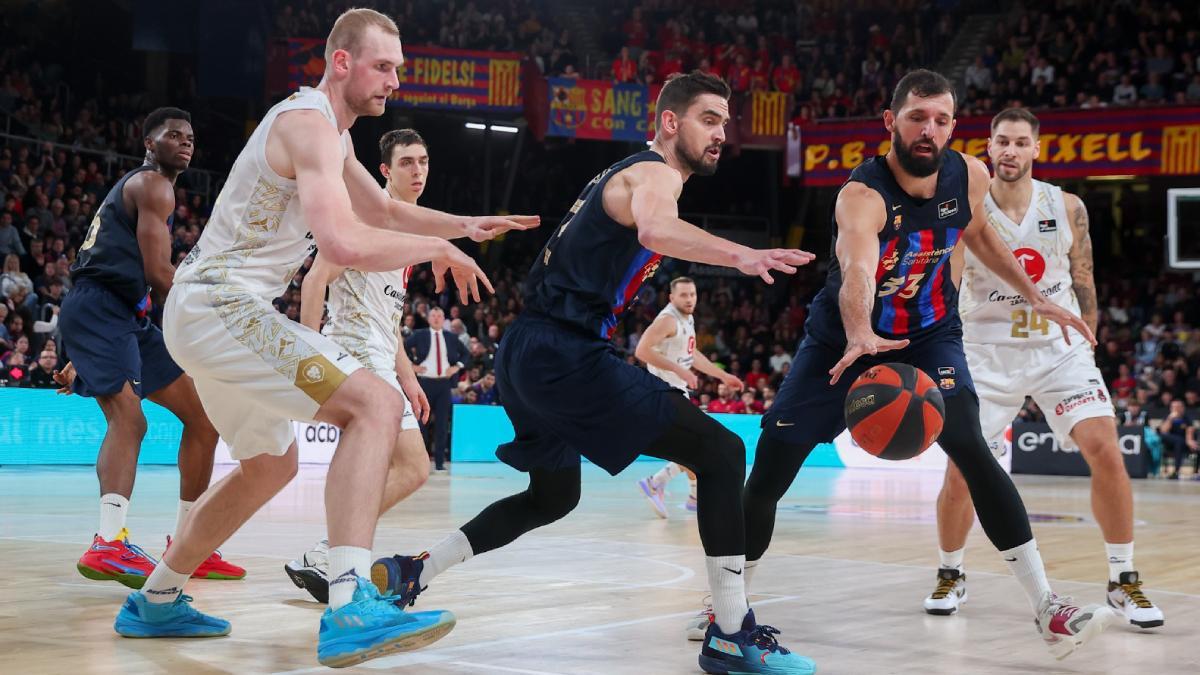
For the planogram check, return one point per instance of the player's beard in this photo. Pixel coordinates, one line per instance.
(918, 167)
(1021, 173)
(695, 164)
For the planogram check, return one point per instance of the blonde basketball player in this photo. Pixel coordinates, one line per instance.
(297, 184)
(366, 310)
(1012, 353)
(668, 348)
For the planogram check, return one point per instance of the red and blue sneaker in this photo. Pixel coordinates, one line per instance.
(400, 577)
(116, 560)
(753, 649)
(216, 567)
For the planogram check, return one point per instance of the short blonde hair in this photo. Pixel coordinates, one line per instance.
(349, 28)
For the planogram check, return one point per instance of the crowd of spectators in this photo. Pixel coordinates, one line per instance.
(834, 60)
(1089, 55)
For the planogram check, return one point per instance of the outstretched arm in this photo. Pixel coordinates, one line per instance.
(860, 213)
(372, 204)
(655, 191)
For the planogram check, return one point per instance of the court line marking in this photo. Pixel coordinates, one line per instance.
(493, 667)
(436, 655)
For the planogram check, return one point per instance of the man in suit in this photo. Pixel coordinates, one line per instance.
(437, 356)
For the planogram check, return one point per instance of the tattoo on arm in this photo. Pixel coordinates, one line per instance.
(1082, 276)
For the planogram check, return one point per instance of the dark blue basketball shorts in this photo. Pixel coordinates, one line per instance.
(109, 345)
(569, 394)
(808, 410)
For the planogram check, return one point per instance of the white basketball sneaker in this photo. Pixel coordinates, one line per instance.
(311, 572)
(950, 592)
(697, 626)
(656, 494)
(1127, 598)
(1065, 626)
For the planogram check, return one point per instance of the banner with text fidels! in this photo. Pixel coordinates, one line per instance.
(1074, 143)
(1035, 449)
(601, 110)
(431, 77)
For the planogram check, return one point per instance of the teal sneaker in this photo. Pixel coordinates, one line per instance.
(140, 618)
(373, 625)
(753, 649)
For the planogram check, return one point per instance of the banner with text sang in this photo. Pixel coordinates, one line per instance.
(600, 110)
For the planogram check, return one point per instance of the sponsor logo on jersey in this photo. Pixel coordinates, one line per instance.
(946, 383)
(926, 257)
(889, 263)
(391, 292)
(1014, 300)
(1092, 381)
(947, 209)
(896, 222)
(945, 371)
(1047, 225)
(1032, 261)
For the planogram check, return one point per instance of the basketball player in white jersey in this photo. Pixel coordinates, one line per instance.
(366, 310)
(668, 348)
(296, 184)
(1013, 353)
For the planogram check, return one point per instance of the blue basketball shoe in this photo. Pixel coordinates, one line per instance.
(400, 577)
(753, 649)
(140, 618)
(373, 625)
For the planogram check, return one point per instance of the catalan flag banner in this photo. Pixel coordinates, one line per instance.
(768, 113)
(431, 77)
(601, 110)
(1074, 143)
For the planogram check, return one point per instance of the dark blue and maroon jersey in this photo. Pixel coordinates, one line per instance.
(914, 292)
(592, 267)
(110, 254)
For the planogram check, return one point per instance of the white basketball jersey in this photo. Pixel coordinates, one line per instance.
(257, 237)
(993, 312)
(680, 347)
(365, 311)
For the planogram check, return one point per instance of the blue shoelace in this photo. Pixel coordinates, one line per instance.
(138, 550)
(763, 637)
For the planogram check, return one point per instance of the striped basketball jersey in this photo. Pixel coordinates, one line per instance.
(592, 267)
(680, 347)
(994, 313)
(914, 290)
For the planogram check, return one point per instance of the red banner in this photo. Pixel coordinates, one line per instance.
(1075, 143)
(601, 110)
(431, 77)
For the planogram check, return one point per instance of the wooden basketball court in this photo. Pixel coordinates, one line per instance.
(608, 589)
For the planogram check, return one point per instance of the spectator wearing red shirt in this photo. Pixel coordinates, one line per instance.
(762, 50)
(786, 77)
(739, 75)
(700, 49)
(756, 378)
(725, 402)
(751, 405)
(624, 69)
(1124, 384)
(760, 75)
(670, 65)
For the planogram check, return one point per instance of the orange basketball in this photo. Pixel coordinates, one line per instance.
(894, 411)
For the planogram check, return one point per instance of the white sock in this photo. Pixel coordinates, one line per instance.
(445, 554)
(346, 564)
(728, 583)
(164, 584)
(1026, 564)
(952, 560)
(184, 507)
(751, 565)
(1120, 559)
(113, 508)
(665, 474)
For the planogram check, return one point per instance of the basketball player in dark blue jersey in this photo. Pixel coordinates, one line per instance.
(899, 225)
(118, 356)
(570, 395)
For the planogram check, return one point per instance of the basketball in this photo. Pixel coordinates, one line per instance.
(894, 411)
